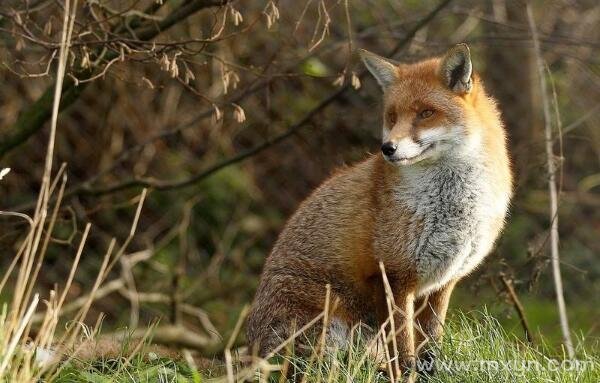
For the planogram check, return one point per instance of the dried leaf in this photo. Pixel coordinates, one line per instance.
(238, 113)
(48, 27)
(5, 171)
(236, 15)
(339, 81)
(150, 85)
(271, 12)
(85, 59)
(189, 75)
(217, 113)
(164, 62)
(355, 81)
(174, 69)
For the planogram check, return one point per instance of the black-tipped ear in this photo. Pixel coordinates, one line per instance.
(383, 70)
(456, 69)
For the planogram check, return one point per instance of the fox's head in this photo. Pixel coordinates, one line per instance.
(428, 106)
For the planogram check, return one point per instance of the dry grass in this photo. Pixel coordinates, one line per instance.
(21, 349)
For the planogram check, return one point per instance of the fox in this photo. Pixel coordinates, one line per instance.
(429, 208)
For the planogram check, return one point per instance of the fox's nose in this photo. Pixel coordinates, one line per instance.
(388, 148)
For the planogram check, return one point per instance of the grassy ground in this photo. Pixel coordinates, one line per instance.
(541, 315)
(475, 349)
(137, 370)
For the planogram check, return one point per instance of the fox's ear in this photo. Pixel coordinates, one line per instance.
(383, 70)
(456, 69)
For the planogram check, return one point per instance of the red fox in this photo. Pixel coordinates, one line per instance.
(430, 207)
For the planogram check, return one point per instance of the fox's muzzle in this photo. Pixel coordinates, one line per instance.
(403, 150)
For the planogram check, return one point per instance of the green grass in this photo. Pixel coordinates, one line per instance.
(475, 348)
(478, 349)
(541, 315)
(116, 370)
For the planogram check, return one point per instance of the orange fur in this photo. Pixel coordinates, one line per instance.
(356, 219)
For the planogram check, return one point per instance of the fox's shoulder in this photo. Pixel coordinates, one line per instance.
(347, 186)
(358, 176)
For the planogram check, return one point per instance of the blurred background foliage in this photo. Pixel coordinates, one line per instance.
(230, 77)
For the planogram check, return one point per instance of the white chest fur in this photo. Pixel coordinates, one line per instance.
(453, 212)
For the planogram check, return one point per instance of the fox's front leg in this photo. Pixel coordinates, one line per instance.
(429, 323)
(404, 338)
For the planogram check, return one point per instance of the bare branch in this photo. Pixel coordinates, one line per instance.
(560, 299)
(508, 286)
(292, 130)
(33, 118)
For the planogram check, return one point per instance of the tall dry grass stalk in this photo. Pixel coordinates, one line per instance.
(17, 355)
(20, 343)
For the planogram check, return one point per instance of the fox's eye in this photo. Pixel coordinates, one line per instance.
(426, 113)
(391, 117)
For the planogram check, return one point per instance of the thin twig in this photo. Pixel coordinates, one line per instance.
(518, 307)
(550, 159)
